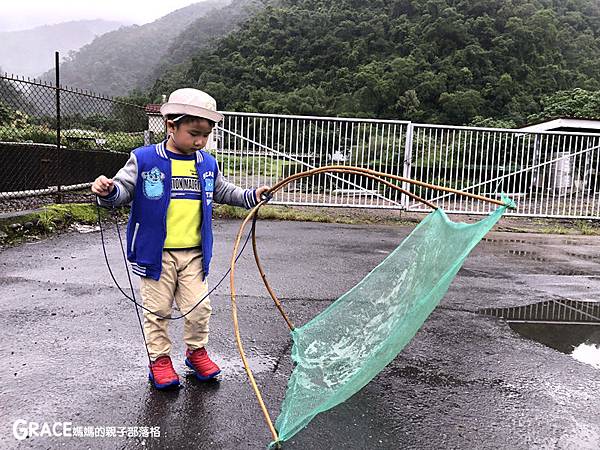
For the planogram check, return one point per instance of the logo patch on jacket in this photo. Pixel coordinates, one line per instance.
(154, 184)
(209, 186)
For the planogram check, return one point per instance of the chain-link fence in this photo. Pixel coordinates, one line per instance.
(55, 140)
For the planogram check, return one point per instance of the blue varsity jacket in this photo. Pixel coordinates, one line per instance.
(145, 181)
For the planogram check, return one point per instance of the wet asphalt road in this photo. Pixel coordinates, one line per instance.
(72, 349)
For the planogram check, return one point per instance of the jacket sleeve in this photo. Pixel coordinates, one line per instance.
(229, 193)
(124, 182)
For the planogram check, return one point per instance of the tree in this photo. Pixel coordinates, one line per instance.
(435, 60)
(460, 107)
(573, 103)
(5, 113)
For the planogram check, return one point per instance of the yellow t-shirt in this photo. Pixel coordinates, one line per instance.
(184, 214)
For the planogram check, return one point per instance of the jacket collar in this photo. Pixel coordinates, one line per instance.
(161, 151)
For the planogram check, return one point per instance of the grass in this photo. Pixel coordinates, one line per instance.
(50, 220)
(582, 227)
(312, 214)
(271, 213)
(57, 218)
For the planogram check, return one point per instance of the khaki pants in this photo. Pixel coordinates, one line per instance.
(180, 280)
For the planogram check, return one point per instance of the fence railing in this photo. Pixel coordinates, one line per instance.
(257, 149)
(548, 174)
(54, 137)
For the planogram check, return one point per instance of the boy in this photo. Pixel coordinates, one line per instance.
(172, 186)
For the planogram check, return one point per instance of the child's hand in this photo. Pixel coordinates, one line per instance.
(102, 186)
(260, 191)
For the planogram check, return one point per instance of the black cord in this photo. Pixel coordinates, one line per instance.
(129, 276)
(137, 306)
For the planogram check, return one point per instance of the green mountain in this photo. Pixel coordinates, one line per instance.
(31, 52)
(444, 61)
(118, 62)
(201, 34)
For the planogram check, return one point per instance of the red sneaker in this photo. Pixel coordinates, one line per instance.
(201, 364)
(162, 374)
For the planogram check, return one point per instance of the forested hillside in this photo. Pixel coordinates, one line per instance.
(444, 61)
(120, 61)
(201, 34)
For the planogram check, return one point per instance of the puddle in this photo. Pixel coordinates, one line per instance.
(587, 257)
(588, 353)
(527, 254)
(552, 311)
(572, 273)
(427, 375)
(574, 242)
(259, 363)
(533, 242)
(569, 326)
(514, 241)
(581, 341)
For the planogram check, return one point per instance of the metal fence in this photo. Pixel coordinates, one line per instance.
(256, 149)
(548, 174)
(53, 139)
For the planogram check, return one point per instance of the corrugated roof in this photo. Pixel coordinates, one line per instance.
(153, 108)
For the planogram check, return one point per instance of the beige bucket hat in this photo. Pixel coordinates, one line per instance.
(191, 102)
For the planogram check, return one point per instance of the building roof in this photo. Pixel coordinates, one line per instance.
(565, 122)
(153, 109)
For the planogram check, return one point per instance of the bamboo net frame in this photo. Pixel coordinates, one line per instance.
(253, 214)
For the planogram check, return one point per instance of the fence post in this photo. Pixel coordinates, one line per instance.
(535, 181)
(407, 163)
(58, 149)
(148, 137)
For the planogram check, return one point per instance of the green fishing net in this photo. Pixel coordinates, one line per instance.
(339, 351)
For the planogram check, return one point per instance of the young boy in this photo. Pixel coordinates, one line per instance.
(171, 187)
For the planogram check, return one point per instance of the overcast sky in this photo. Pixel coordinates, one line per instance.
(25, 14)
